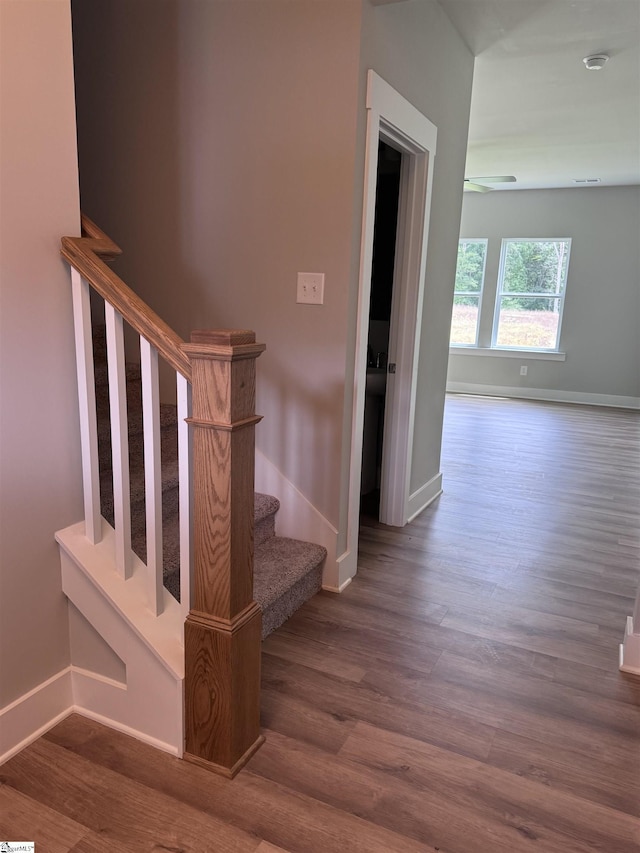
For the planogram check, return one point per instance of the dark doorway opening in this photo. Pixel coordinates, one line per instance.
(382, 278)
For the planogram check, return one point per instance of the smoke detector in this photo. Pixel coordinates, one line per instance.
(595, 62)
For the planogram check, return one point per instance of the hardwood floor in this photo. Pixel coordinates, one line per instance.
(462, 695)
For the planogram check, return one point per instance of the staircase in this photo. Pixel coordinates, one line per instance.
(176, 563)
(286, 572)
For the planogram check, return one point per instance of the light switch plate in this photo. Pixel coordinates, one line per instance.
(310, 288)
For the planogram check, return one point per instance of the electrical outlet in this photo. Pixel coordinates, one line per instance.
(310, 288)
(524, 370)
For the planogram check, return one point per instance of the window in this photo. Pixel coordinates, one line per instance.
(472, 255)
(530, 296)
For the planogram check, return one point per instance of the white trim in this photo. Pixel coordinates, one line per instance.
(392, 118)
(522, 354)
(163, 634)
(86, 405)
(347, 568)
(545, 394)
(30, 716)
(471, 294)
(630, 650)
(78, 673)
(185, 492)
(424, 496)
(127, 730)
(297, 517)
(152, 474)
(119, 438)
(340, 588)
(404, 341)
(106, 694)
(151, 647)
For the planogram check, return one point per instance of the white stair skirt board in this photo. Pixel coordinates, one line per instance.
(31, 715)
(150, 705)
(630, 650)
(425, 495)
(347, 569)
(298, 519)
(545, 394)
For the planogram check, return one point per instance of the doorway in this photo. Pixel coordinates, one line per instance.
(385, 233)
(395, 121)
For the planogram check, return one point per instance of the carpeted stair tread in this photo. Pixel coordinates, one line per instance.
(171, 527)
(287, 572)
(279, 563)
(264, 506)
(264, 519)
(169, 463)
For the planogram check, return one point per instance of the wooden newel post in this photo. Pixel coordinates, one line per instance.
(222, 631)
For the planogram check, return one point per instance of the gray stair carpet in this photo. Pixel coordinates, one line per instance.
(287, 572)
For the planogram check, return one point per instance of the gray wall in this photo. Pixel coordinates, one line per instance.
(415, 48)
(228, 154)
(226, 176)
(40, 478)
(601, 323)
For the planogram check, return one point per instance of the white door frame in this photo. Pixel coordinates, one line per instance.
(392, 118)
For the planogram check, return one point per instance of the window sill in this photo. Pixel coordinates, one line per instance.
(529, 354)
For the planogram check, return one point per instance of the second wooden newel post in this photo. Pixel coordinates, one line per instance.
(222, 631)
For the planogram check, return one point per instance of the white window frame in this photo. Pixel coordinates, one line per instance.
(500, 293)
(479, 294)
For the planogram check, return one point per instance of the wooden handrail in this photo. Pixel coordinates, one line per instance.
(101, 244)
(85, 255)
(223, 627)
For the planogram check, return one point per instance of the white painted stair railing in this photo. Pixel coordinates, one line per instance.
(120, 448)
(219, 646)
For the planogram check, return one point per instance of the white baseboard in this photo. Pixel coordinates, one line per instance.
(346, 570)
(424, 496)
(31, 715)
(71, 691)
(546, 394)
(340, 588)
(297, 517)
(630, 650)
(91, 689)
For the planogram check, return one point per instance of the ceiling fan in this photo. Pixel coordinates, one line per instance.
(478, 185)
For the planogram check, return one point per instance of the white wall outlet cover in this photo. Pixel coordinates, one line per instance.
(310, 288)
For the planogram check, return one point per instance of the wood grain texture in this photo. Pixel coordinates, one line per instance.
(222, 690)
(97, 240)
(26, 819)
(223, 476)
(120, 809)
(441, 725)
(85, 255)
(222, 631)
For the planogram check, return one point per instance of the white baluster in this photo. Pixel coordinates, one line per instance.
(185, 501)
(87, 407)
(152, 474)
(119, 439)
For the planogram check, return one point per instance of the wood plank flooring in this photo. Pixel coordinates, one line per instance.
(462, 695)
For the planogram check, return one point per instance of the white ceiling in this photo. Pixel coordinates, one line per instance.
(536, 112)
